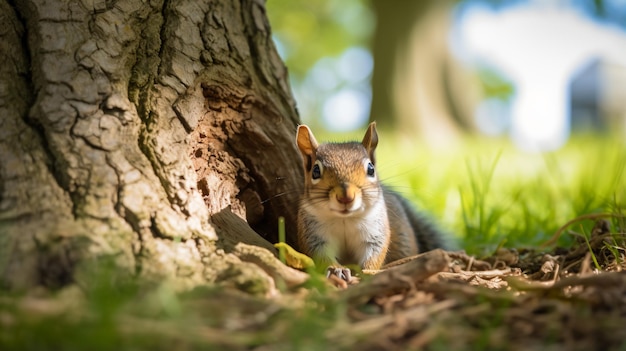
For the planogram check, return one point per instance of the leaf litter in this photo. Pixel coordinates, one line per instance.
(560, 299)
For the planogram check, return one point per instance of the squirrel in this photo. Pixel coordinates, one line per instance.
(347, 217)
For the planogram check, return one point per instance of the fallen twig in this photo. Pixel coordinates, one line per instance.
(558, 233)
(606, 279)
(417, 269)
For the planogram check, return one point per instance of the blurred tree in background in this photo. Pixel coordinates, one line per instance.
(417, 81)
(415, 75)
(417, 84)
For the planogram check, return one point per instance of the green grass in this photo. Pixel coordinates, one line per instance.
(488, 194)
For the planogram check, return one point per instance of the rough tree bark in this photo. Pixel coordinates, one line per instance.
(127, 127)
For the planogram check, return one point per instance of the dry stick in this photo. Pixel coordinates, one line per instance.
(417, 269)
(469, 264)
(470, 261)
(466, 291)
(607, 279)
(557, 234)
(414, 315)
(556, 273)
(466, 275)
(485, 280)
(270, 264)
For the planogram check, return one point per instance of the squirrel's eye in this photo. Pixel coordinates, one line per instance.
(370, 169)
(316, 173)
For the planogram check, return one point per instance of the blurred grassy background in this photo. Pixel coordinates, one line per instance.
(494, 157)
(487, 193)
(491, 194)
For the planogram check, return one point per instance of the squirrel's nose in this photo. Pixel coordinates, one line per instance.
(345, 199)
(345, 194)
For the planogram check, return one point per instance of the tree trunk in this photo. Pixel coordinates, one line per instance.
(126, 126)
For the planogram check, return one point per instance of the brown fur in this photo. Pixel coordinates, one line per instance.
(346, 216)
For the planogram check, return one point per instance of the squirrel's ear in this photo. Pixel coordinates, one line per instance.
(307, 144)
(370, 141)
(305, 140)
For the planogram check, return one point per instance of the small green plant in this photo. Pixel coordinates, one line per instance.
(281, 239)
(481, 218)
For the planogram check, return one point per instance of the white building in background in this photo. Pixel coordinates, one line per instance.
(597, 97)
(542, 49)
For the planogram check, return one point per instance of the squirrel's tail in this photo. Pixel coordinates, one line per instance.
(427, 234)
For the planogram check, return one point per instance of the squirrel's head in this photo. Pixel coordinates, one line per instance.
(340, 179)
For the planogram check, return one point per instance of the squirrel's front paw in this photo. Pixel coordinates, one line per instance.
(342, 273)
(340, 276)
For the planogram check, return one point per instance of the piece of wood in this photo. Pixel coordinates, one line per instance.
(271, 265)
(416, 269)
